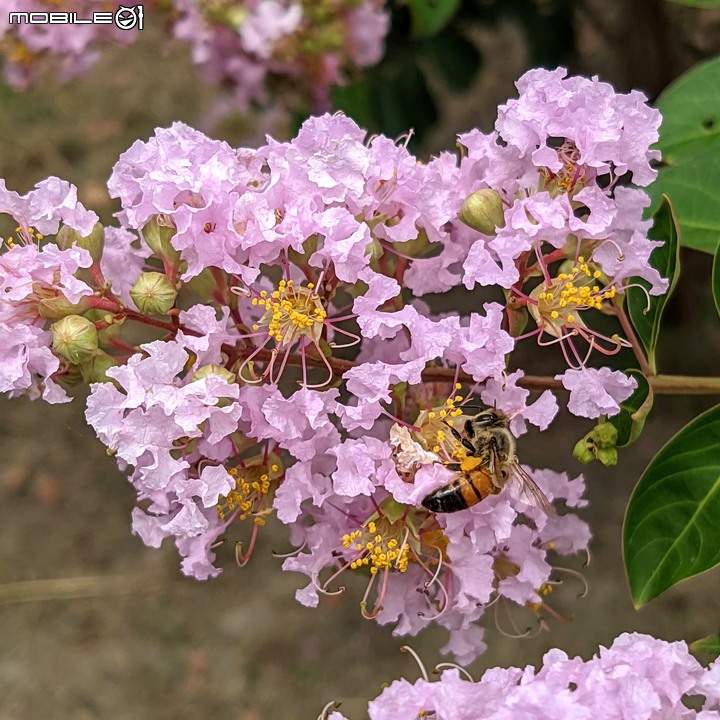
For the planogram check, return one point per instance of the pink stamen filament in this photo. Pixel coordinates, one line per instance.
(242, 560)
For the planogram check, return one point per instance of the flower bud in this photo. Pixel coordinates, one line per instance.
(74, 337)
(483, 211)
(583, 451)
(158, 238)
(607, 456)
(94, 368)
(419, 246)
(374, 250)
(153, 293)
(213, 369)
(59, 307)
(94, 243)
(598, 443)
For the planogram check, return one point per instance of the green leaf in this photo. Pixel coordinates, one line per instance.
(693, 186)
(698, 3)
(403, 101)
(455, 57)
(690, 109)
(716, 279)
(709, 645)
(634, 411)
(671, 529)
(431, 16)
(666, 260)
(355, 101)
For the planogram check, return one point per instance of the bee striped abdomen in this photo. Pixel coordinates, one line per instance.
(460, 494)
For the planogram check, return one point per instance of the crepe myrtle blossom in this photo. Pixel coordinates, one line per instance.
(543, 202)
(257, 47)
(420, 567)
(638, 676)
(294, 368)
(36, 277)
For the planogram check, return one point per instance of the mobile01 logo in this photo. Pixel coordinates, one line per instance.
(125, 18)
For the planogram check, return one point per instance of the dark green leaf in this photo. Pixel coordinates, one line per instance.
(403, 101)
(693, 186)
(431, 16)
(671, 529)
(634, 411)
(666, 260)
(709, 645)
(716, 278)
(691, 112)
(699, 3)
(455, 57)
(355, 101)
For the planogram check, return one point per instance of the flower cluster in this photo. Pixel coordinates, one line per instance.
(298, 372)
(295, 48)
(32, 43)
(259, 49)
(638, 676)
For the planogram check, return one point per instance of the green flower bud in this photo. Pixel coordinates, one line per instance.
(95, 368)
(158, 238)
(607, 456)
(94, 243)
(419, 246)
(598, 443)
(213, 369)
(605, 435)
(374, 249)
(483, 211)
(583, 451)
(153, 293)
(75, 338)
(60, 307)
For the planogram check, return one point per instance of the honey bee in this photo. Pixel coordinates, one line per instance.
(491, 463)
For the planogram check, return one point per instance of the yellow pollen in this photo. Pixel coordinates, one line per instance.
(248, 495)
(458, 386)
(378, 547)
(292, 312)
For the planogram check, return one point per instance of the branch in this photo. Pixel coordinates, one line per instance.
(660, 384)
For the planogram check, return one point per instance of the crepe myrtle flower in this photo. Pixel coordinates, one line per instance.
(554, 225)
(423, 567)
(39, 284)
(293, 317)
(177, 426)
(637, 676)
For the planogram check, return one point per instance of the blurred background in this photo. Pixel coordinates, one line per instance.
(95, 625)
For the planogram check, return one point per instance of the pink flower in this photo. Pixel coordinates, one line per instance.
(595, 392)
(610, 131)
(638, 676)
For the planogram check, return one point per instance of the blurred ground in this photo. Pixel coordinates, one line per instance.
(109, 629)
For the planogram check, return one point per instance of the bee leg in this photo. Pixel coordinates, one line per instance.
(462, 440)
(455, 467)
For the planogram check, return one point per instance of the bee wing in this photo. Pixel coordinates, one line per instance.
(525, 489)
